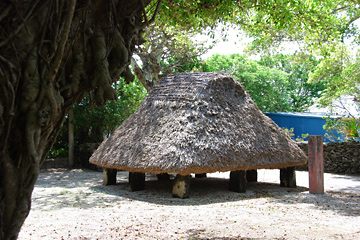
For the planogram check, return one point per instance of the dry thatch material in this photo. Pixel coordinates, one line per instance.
(198, 123)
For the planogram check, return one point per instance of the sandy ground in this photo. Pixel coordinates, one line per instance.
(74, 205)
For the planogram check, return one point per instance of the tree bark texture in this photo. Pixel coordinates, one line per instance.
(51, 53)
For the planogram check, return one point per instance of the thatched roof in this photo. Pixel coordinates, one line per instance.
(198, 123)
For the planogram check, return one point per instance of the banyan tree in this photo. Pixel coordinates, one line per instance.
(196, 123)
(53, 52)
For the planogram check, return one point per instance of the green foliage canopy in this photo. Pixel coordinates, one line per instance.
(341, 71)
(165, 49)
(345, 126)
(321, 27)
(302, 93)
(276, 84)
(92, 123)
(270, 22)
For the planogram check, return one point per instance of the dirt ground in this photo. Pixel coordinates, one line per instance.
(74, 205)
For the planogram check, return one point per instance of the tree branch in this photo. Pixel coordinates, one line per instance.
(156, 12)
(353, 20)
(147, 23)
(21, 18)
(29, 15)
(139, 74)
(143, 10)
(339, 9)
(5, 12)
(63, 39)
(176, 63)
(8, 93)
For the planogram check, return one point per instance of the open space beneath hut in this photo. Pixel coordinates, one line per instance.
(73, 204)
(238, 181)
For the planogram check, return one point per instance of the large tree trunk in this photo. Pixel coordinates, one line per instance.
(51, 53)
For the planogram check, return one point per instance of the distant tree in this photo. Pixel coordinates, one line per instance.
(302, 93)
(341, 71)
(334, 38)
(266, 86)
(93, 123)
(276, 83)
(166, 48)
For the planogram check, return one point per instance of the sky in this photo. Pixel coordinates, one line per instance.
(236, 43)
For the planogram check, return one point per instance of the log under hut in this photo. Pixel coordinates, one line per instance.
(197, 123)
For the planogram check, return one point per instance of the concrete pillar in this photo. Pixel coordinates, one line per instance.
(316, 164)
(136, 181)
(251, 175)
(288, 177)
(109, 176)
(181, 186)
(163, 176)
(237, 182)
(201, 175)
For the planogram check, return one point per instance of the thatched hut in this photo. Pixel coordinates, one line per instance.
(198, 123)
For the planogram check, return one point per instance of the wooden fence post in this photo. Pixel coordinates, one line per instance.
(316, 164)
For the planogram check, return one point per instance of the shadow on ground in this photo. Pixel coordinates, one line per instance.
(59, 188)
(347, 204)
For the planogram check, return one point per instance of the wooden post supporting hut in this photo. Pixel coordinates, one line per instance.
(251, 175)
(109, 176)
(237, 182)
(288, 177)
(200, 175)
(163, 176)
(136, 181)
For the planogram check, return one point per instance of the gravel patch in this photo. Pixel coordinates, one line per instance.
(73, 204)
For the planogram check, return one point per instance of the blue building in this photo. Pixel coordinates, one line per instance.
(303, 123)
